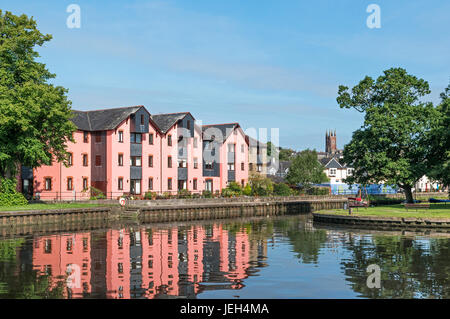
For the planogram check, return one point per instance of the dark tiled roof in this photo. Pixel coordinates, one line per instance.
(254, 143)
(166, 121)
(101, 120)
(225, 130)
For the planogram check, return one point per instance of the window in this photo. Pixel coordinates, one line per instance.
(85, 183)
(135, 161)
(69, 183)
(231, 148)
(242, 166)
(98, 137)
(136, 138)
(182, 164)
(48, 184)
(242, 148)
(243, 182)
(349, 171)
(259, 167)
(120, 184)
(98, 160)
(142, 119)
(120, 159)
(150, 161)
(195, 162)
(195, 142)
(150, 138)
(231, 166)
(150, 183)
(120, 136)
(188, 125)
(169, 183)
(250, 166)
(120, 268)
(169, 140)
(332, 172)
(85, 160)
(208, 165)
(69, 244)
(169, 161)
(48, 246)
(85, 137)
(194, 184)
(70, 159)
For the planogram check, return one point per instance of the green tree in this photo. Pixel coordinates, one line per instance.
(286, 154)
(439, 140)
(282, 189)
(306, 169)
(389, 147)
(34, 114)
(260, 185)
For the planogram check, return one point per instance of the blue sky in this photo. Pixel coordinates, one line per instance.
(264, 64)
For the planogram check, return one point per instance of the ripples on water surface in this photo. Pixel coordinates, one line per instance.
(286, 257)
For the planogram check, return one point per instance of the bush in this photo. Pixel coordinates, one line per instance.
(150, 195)
(318, 191)
(207, 194)
(232, 190)
(282, 189)
(261, 186)
(247, 191)
(184, 193)
(96, 194)
(8, 194)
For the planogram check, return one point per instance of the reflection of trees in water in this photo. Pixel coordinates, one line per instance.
(20, 281)
(410, 268)
(306, 242)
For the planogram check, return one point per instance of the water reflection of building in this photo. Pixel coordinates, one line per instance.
(63, 255)
(145, 263)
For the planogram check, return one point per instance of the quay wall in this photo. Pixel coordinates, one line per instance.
(65, 218)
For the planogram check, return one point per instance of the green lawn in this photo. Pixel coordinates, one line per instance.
(435, 211)
(49, 206)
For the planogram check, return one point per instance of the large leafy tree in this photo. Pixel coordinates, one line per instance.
(305, 169)
(390, 146)
(439, 140)
(34, 114)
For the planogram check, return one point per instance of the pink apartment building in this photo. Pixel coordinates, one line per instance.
(225, 156)
(129, 151)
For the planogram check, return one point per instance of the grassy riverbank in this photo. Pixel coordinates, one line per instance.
(44, 206)
(435, 211)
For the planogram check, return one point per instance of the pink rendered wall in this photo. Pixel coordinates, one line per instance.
(195, 172)
(114, 170)
(165, 152)
(154, 150)
(59, 173)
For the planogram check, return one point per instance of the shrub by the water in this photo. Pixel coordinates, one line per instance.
(8, 194)
(282, 189)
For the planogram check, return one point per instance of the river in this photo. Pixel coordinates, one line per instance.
(280, 257)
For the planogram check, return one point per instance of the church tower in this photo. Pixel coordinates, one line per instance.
(330, 142)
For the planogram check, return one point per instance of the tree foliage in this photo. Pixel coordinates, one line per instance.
(439, 141)
(34, 114)
(390, 146)
(306, 169)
